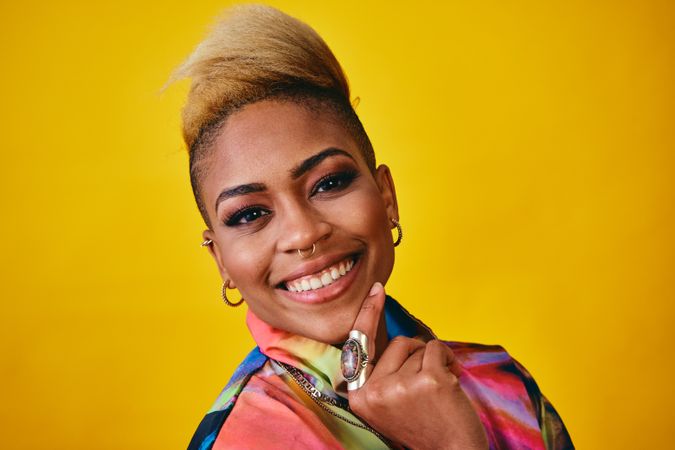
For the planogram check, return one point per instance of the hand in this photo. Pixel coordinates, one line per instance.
(412, 395)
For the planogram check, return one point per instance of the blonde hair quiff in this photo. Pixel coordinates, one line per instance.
(256, 52)
(253, 51)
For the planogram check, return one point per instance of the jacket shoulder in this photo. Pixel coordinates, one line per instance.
(210, 426)
(474, 356)
(501, 387)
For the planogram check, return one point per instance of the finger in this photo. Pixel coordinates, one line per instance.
(395, 355)
(413, 364)
(439, 357)
(435, 357)
(453, 363)
(368, 319)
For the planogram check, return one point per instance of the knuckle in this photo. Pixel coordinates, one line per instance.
(453, 380)
(376, 395)
(367, 306)
(430, 382)
(435, 343)
(400, 388)
(439, 345)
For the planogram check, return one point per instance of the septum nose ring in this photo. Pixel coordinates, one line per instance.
(303, 253)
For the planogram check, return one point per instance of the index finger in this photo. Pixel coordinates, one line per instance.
(368, 319)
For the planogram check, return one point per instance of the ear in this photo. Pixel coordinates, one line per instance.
(385, 183)
(216, 252)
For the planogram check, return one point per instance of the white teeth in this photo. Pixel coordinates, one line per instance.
(326, 279)
(328, 276)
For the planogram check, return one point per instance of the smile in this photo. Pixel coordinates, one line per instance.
(322, 278)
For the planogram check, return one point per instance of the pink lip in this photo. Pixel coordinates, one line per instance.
(326, 293)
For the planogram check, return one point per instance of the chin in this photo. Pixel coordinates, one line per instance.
(338, 338)
(329, 333)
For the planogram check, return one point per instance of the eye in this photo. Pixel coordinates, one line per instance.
(246, 215)
(334, 182)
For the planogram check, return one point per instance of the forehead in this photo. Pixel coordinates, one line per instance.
(269, 137)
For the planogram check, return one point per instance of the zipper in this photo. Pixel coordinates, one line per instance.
(321, 399)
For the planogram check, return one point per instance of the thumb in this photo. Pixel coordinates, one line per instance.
(368, 319)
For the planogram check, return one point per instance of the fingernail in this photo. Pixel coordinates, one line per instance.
(377, 287)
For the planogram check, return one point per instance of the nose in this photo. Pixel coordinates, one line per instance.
(301, 227)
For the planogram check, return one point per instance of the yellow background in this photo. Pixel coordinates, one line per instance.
(532, 143)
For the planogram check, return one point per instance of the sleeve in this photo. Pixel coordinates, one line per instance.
(553, 429)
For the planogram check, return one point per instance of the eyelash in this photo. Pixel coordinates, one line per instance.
(234, 219)
(344, 179)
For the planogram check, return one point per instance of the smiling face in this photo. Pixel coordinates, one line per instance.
(282, 178)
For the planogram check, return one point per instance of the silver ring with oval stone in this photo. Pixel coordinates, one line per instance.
(354, 359)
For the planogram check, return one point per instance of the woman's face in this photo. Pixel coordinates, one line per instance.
(282, 178)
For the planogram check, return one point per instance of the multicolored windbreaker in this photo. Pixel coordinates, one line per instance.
(263, 407)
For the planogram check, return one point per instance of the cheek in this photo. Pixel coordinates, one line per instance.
(367, 219)
(377, 231)
(369, 214)
(245, 264)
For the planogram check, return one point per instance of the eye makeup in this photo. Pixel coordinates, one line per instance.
(249, 213)
(334, 181)
(336, 176)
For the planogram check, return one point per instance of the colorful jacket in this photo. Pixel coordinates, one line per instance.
(262, 407)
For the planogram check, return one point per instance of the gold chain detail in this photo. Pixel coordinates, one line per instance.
(320, 399)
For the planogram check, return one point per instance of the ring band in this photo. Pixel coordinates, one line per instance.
(354, 359)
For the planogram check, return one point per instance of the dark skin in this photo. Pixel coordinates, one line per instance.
(282, 178)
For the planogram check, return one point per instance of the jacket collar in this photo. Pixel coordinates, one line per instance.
(320, 361)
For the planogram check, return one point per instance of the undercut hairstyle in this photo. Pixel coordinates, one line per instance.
(255, 53)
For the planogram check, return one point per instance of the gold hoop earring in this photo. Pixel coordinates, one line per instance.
(400, 232)
(224, 295)
(303, 255)
(206, 243)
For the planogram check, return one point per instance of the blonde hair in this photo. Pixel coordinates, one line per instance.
(257, 52)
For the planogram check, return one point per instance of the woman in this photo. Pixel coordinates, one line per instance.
(299, 220)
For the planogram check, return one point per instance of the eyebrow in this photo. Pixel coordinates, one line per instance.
(315, 160)
(296, 173)
(242, 189)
